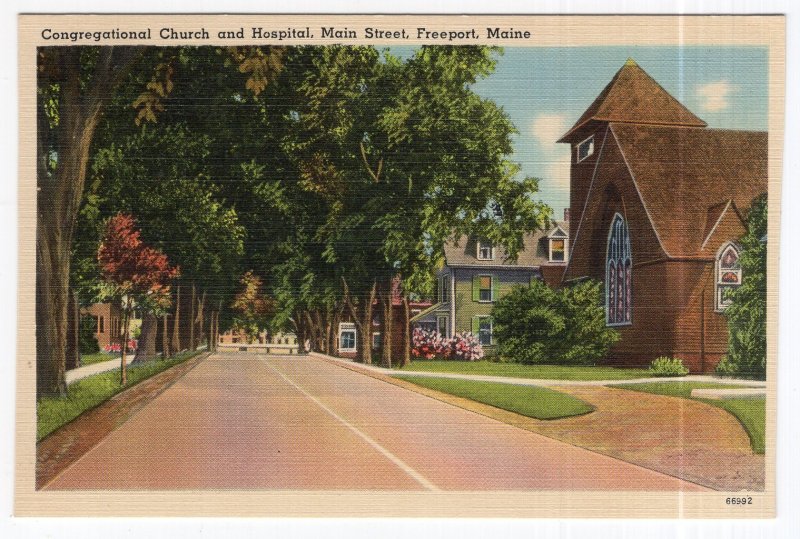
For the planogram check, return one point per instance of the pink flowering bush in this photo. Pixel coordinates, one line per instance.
(116, 348)
(431, 345)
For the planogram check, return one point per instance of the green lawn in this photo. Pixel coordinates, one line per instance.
(536, 402)
(751, 413)
(87, 393)
(88, 359)
(517, 370)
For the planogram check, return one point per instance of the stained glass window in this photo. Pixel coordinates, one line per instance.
(618, 273)
(729, 275)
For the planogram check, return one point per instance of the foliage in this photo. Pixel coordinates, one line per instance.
(530, 401)
(87, 339)
(132, 268)
(517, 370)
(668, 366)
(537, 324)
(747, 315)
(252, 307)
(751, 413)
(430, 344)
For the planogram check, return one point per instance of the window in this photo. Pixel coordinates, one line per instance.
(558, 250)
(101, 325)
(444, 288)
(441, 325)
(376, 340)
(485, 250)
(485, 330)
(485, 288)
(585, 149)
(729, 275)
(618, 273)
(347, 337)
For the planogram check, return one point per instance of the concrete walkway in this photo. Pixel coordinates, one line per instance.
(96, 368)
(538, 381)
(103, 366)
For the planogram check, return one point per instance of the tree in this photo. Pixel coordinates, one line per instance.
(252, 307)
(136, 274)
(747, 315)
(538, 324)
(74, 87)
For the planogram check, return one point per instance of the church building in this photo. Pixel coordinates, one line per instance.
(657, 202)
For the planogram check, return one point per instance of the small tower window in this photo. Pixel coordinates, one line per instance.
(585, 149)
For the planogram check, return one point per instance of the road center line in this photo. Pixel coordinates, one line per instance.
(418, 477)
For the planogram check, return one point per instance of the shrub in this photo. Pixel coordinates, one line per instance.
(87, 341)
(431, 345)
(668, 366)
(537, 324)
(747, 315)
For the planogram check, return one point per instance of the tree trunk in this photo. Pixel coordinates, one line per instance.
(192, 321)
(201, 305)
(386, 327)
(73, 353)
(366, 326)
(60, 192)
(146, 349)
(406, 332)
(176, 323)
(126, 321)
(300, 332)
(165, 337)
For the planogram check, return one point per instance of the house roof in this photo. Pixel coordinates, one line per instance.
(634, 96)
(534, 253)
(687, 176)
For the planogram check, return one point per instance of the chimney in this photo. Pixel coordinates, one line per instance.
(566, 214)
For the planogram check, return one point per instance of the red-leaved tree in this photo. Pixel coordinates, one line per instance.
(135, 273)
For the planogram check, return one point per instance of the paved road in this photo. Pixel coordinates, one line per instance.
(288, 422)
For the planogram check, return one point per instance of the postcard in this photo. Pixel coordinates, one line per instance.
(361, 265)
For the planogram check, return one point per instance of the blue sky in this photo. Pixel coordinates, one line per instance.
(545, 90)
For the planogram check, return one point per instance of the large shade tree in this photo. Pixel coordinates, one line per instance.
(74, 87)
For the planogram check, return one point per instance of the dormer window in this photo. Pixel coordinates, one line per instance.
(585, 149)
(558, 250)
(485, 250)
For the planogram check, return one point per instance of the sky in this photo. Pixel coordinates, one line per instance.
(545, 90)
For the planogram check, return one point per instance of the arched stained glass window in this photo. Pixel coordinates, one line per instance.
(729, 274)
(618, 273)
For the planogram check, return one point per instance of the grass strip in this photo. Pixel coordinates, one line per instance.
(90, 392)
(517, 370)
(751, 413)
(530, 401)
(98, 357)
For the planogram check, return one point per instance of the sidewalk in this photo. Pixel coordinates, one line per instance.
(96, 368)
(103, 366)
(541, 382)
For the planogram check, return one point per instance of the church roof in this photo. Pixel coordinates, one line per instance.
(687, 176)
(633, 96)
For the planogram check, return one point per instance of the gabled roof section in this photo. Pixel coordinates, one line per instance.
(463, 252)
(689, 177)
(633, 96)
(559, 230)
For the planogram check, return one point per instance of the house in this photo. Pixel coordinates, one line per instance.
(658, 201)
(347, 336)
(477, 273)
(108, 323)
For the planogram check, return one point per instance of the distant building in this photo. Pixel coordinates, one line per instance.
(658, 202)
(108, 323)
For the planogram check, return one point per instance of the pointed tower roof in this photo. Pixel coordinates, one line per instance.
(633, 96)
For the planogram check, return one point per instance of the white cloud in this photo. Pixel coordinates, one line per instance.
(548, 128)
(714, 95)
